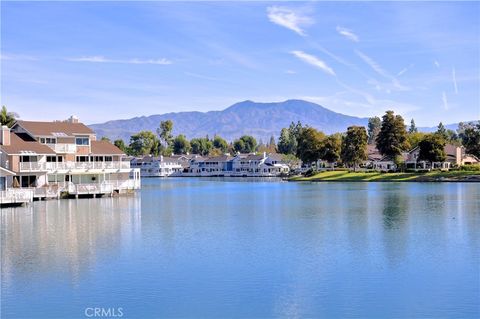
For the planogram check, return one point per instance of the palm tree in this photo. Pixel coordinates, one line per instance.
(7, 118)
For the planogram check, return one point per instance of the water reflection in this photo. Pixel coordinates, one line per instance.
(206, 248)
(66, 236)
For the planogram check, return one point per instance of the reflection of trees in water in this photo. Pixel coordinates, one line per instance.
(357, 217)
(395, 206)
(395, 216)
(66, 235)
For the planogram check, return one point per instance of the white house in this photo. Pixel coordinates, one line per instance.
(242, 165)
(157, 166)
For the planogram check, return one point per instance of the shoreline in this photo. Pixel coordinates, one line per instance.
(377, 177)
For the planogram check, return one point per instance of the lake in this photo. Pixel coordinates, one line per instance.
(203, 248)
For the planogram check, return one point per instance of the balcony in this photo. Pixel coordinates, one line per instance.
(16, 196)
(55, 166)
(63, 148)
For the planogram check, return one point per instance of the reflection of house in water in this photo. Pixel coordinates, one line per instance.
(57, 236)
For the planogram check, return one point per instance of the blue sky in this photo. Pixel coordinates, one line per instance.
(111, 60)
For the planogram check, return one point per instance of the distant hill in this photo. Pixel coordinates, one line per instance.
(262, 120)
(452, 127)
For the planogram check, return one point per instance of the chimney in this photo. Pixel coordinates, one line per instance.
(264, 154)
(72, 119)
(5, 135)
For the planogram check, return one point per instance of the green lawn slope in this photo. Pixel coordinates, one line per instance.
(434, 176)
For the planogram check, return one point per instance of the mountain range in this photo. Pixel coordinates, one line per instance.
(261, 120)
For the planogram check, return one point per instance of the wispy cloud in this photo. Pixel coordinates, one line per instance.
(101, 59)
(404, 70)
(201, 76)
(290, 72)
(381, 71)
(372, 63)
(435, 62)
(289, 18)
(347, 33)
(454, 77)
(444, 99)
(313, 60)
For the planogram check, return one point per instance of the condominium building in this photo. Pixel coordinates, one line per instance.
(63, 158)
(161, 166)
(241, 165)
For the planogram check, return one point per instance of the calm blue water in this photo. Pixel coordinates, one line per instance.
(210, 248)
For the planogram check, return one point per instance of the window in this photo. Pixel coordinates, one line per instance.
(82, 140)
(82, 158)
(108, 159)
(51, 158)
(48, 140)
(26, 158)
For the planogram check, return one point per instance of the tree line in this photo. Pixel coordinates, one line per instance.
(164, 143)
(388, 134)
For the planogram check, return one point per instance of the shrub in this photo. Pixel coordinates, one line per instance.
(471, 167)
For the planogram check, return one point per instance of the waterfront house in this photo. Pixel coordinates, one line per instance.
(456, 156)
(9, 195)
(160, 166)
(64, 157)
(241, 165)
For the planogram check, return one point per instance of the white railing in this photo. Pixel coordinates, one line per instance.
(98, 188)
(52, 166)
(63, 148)
(126, 184)
(104, 187)
(14, 195)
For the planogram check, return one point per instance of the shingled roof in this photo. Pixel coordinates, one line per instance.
(105, 148)
(21, 146)
(54, 128)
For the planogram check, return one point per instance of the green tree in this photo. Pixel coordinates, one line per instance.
(121, 145)
(414, 138)
(432, 148)
(164, 132)
(284, 142)
(239, 146)
(201, 146)
(181, 145)
(354, 146)
(143, 143)
(413, 127)
(442, 131)
(288, 141)
(331, 148)
(7, 118)
(106, 139)
(310, 143)
(245, 144)
(469, 134)
(452, 137)
(392, 138)
(220, 144)
(374, 125)
(272, 143)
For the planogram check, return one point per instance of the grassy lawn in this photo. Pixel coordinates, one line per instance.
(389, 177)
